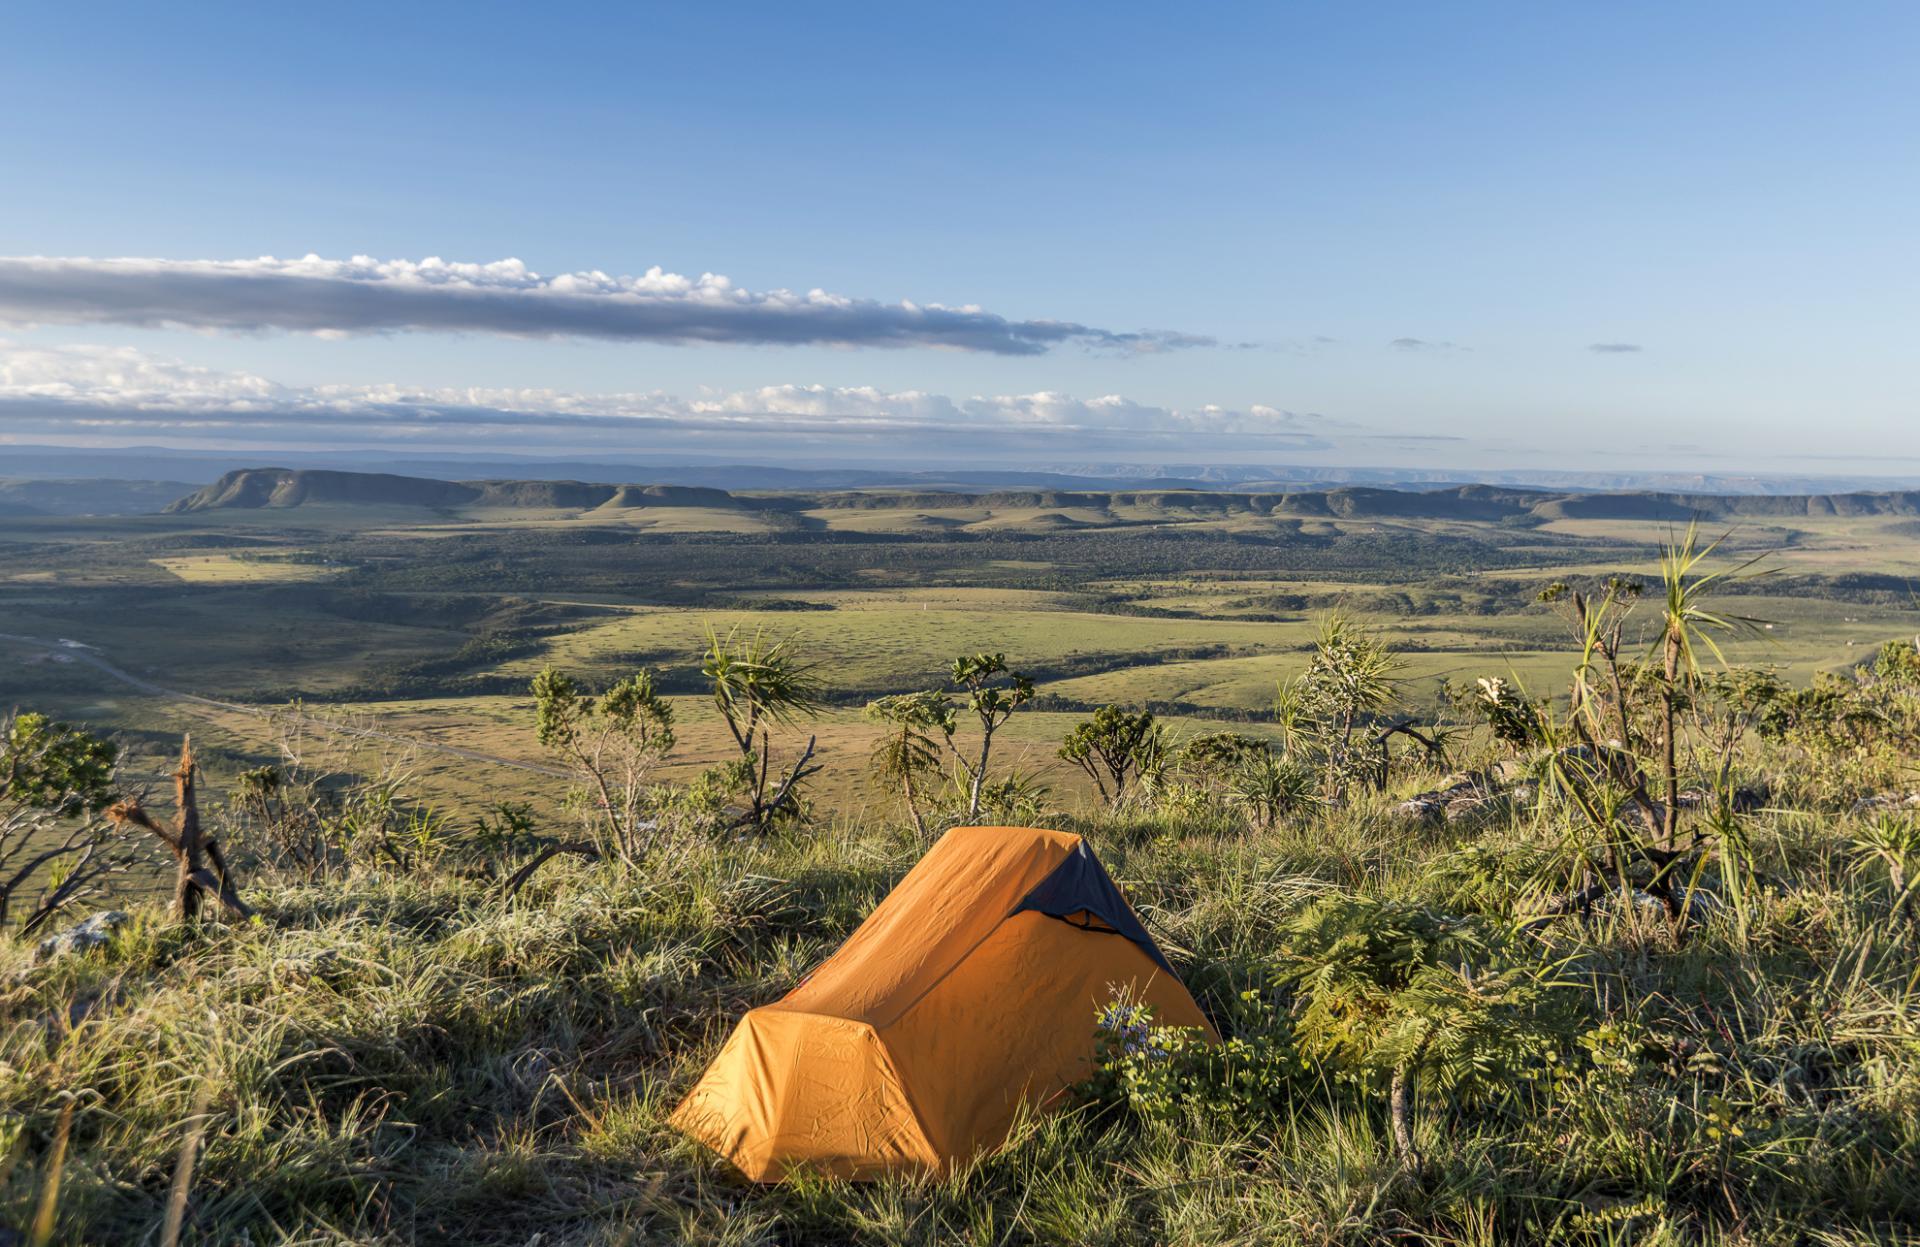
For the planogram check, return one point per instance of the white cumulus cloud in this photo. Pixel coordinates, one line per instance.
(117, 391)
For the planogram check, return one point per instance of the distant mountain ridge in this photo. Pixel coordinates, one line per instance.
(201, 466)
(281, 488)
(54, 496)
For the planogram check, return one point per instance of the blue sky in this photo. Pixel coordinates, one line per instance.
(1402, 228)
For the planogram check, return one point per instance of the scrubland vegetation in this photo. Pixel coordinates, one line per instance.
(1626, 957)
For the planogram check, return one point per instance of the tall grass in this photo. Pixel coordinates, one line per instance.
(396, 1059)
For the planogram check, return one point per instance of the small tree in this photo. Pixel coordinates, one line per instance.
(1115, 748)
(54, 783)
(992, 691)
(611, 744)
(908, 752)
(756, 686)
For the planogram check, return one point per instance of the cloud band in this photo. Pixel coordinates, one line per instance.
(119, 392)
(363, 295)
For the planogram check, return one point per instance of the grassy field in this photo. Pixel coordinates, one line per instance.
(226, 568)
(401, 1051)
(436, 620)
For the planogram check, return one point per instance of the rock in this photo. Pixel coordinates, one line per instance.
(1426, 807)
(1469, 806)
(1510, 771)
(94, 931)
(1465, 783)
(1745, 800)
(1882, 801)
(1647, 903)
(1696, 906)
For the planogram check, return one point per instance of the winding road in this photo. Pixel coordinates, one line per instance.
(80, 652)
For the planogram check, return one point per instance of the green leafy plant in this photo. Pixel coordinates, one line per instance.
(1515, 720)
(55, 781)
(611, 745)
(1170, 1073)
(1428, 1005)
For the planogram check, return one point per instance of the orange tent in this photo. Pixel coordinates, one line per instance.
(970, 990)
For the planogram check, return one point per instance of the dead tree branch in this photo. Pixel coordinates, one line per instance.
(193, 850)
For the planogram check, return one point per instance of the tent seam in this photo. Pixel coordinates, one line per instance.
(900, 1084)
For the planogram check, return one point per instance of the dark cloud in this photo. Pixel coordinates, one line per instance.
(361, 295)
(1614, 348)
(1422, 344)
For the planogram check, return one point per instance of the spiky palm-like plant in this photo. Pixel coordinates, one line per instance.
(907, 750)
(1266, 788)
(757, 685)
(1351, 678)
(1688, 626)
(1894, 842)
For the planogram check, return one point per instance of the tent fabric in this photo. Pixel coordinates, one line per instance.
(970, 991)
(1079, 886)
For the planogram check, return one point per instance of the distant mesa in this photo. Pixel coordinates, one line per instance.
(1615, 507)
(280, 488)
(669, 496)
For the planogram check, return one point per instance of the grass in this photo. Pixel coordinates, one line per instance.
(894, 641)
(406, 1058)
(225, 569)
